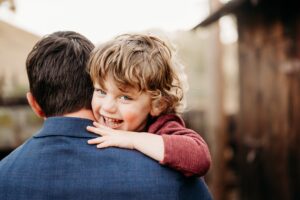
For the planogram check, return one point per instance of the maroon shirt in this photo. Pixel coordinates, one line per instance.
(185, 150)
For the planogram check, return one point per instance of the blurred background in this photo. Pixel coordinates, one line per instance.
(242, 59)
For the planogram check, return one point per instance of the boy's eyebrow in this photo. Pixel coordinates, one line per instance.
(98, 86)
(127, 89)
(130, 91)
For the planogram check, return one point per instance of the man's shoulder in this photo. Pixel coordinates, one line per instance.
(97, 170)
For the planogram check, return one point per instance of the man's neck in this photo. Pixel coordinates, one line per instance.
(83, 113)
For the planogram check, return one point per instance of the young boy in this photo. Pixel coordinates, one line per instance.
(137, 96)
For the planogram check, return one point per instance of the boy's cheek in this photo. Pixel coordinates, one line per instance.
(134, 120)
(96, 114)
(95, 108)
(95, 102)
(130, 117)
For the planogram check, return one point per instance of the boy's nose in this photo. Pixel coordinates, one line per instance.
(109, 106)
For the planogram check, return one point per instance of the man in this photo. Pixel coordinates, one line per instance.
(57, 162)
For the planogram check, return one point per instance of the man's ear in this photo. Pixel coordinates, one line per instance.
(34, 105)
(157, 107)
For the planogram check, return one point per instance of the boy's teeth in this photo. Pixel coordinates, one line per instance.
(111, 120)
(112, 123)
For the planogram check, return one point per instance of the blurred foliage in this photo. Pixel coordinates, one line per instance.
(14, 87)
(33, 119)
(5, 119)
(17, 124)
(19, 91)
(191, 46)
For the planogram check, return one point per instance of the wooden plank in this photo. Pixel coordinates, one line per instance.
(268, 136)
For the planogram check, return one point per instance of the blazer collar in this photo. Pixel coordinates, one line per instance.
(66, 126)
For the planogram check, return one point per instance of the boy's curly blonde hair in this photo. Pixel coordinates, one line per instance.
(143, 62)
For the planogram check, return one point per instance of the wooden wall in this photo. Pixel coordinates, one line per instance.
(268, 138)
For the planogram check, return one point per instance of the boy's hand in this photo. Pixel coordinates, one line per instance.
(111, 137)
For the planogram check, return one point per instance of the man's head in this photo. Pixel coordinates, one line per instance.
(56, 69)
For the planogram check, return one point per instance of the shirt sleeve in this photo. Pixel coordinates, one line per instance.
(184, 149)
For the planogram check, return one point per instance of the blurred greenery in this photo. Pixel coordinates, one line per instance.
(17, 124)
(5, 119)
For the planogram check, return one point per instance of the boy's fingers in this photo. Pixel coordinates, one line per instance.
(104, 128)
(104, 145)
(96, 140)
(95, 130)
(96, 124)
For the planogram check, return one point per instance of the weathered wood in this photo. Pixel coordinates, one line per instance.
(268, 136)
(269, 128)
(215, 113)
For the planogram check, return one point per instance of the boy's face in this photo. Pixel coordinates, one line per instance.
(118, 109)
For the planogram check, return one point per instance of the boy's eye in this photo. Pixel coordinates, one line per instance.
(100, 91)
(125, 98)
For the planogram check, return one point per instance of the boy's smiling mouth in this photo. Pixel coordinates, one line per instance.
(111, 122)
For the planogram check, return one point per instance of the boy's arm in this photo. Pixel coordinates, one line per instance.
(184, 149)
(149, 144)
(186, 153)
(171, 144)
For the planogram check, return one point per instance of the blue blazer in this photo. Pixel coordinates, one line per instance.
(57, 163)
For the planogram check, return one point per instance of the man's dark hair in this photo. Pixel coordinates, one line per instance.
(56, 69)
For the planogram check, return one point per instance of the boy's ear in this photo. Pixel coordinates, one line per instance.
(157, 107)
(34, 105)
